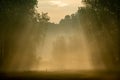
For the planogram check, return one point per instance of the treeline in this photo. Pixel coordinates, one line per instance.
(22, 28)
(99, 20)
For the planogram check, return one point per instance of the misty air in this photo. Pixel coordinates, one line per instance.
(59, 35)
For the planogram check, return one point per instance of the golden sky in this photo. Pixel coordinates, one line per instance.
(57, 9)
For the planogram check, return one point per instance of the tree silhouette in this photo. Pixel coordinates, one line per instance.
(107, 17)
(20, 32)
(99, 21)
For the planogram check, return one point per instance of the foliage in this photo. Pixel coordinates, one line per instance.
(99, 21)
(20, 32)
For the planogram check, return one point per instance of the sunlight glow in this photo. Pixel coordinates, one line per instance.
(63, 7)
(58, 3)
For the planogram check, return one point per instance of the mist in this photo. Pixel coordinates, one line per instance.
(86, 40)
(64, 50)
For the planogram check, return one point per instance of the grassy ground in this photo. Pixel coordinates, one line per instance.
(62, 75)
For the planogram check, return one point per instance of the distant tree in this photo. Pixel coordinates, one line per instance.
(59, 49)
(61, 21)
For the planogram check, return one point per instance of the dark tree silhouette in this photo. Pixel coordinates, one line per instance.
(99, 21)
(21, 29)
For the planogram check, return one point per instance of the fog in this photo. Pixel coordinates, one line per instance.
(87, 39)
(66, 50)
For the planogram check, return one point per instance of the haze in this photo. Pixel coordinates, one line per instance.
(86, 38)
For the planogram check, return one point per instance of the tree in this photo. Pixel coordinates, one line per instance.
(107, 17)
(19, 33)
(99, 21)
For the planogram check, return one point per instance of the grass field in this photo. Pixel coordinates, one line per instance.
(62, 75)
